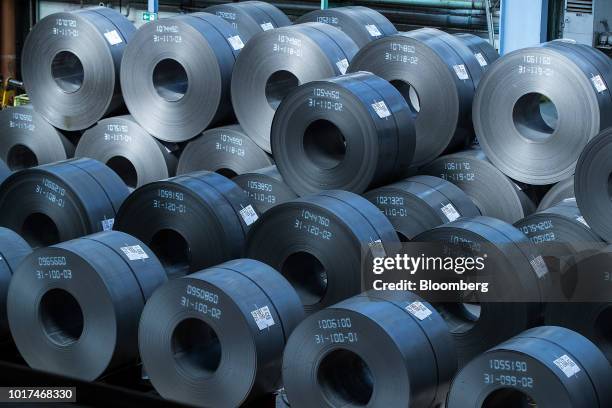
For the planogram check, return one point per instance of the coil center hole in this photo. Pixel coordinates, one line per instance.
(172, 250)
(345, 379)
(67, 71)
(535, 117)
(460, 317)
(196, 348)
(21, 157)
(39, 230)
(324, 144)
(124, 169)
(508, 398)
(409, 93)
(170, 80)
(61, 317)
(225, 172)
(307, 275)
(278, 85)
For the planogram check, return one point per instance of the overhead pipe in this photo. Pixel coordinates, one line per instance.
(450, 4)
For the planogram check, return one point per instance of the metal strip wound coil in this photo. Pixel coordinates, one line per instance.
(70, 66)
(191, 221)
(592, 184)
(352, 132)
(482, 49)
(360, 23)
(13, 250)
(276, 62)
(548, 366)
(376, 349)
(215, 338)
(435, 72)
(74, 307)
(265, 187)
(29, 140)
(60, 201)
(176, 74)
(136, 156)
(549, 101)
(226, 150)
(494, 194)
(303, 239)
(250, 17)
(420, 203)
(557, 193)
(520, 274)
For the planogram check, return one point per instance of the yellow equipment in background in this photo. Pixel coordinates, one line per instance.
(11, 94)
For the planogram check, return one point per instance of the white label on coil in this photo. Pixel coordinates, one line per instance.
(481, 60)
(451, 212)
(377, 248)
(418, 310)
(113, 37)
(461, 72)
(582, 220)
(598, 83)
(134, 252)
(267, 26)
(567, 365)
(381, 109)
(248, 215)
(236, 42)
(263, 318)
(342, 65)
(539, 266)
(107, 224)
(373, 30)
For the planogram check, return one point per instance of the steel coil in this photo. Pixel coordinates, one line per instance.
(548, 102)
(520, 283)
(265, 187)
(70, 66)
(592, 184)
(74, 307)
(435, 72)
(13, 250)
(362, 24)
(482, 49)
(29, 140)
(250, 17)
(494, 194)
(128, 150)
(60, 201)
(303, 238)
(176, 74)
(215, 338)
(226, 150)
(376, 349)
(557, 193)
(191, 221)
(351, 132)
(420, 203)
(276, 62)
(546, 367)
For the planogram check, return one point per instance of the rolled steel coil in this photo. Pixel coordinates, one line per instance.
(420, 203)
(70, 66)
(377, 349)
(352, 132)
(537, 108)
(482, 49)
(74, 307)
(216, 338)
(226, 150)
(265, 187)
(29, 140)
(557, 193)
(435, 72)
(546, 367)
(250, 17)
(276, 62)
(494, 194)
(519, 282)
(60, 201)
(136, 156)
(360, 23)
(176, 73)
(191, 221)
